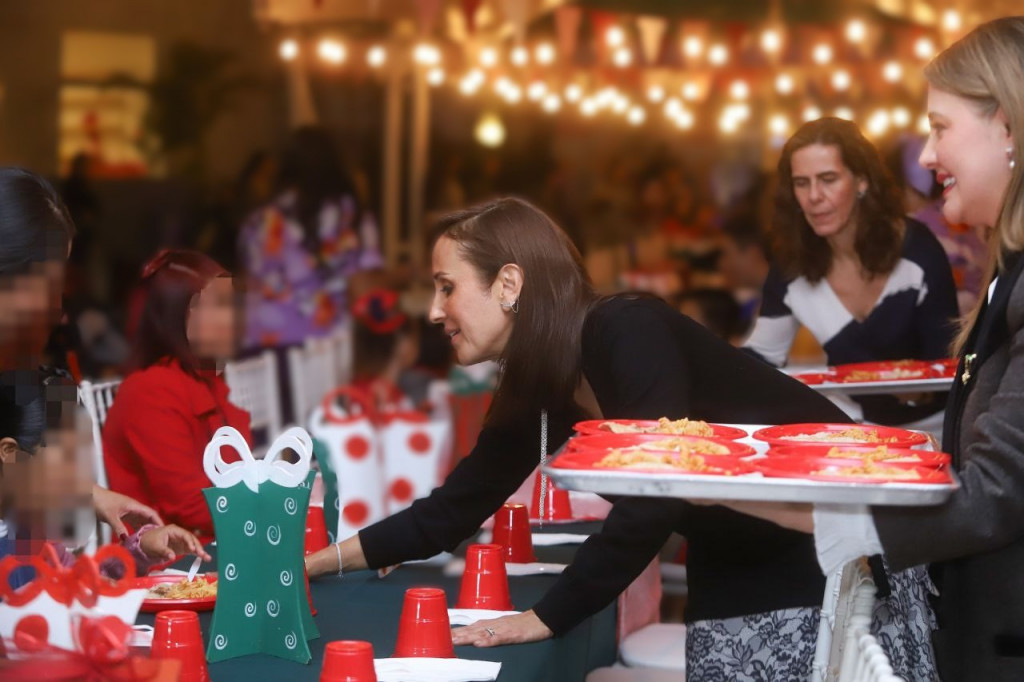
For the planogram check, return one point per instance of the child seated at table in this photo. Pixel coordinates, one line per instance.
(169, 407)
(42, 482)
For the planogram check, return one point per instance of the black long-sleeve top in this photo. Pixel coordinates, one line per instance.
(643, 360)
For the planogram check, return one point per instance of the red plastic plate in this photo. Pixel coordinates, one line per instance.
(724, 465)
(924, 458)
(814, 378)
(782, 435)
(156, 605)
(818, 468)
(593, 427)
(609, 441)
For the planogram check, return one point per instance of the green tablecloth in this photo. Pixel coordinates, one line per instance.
(363, 606)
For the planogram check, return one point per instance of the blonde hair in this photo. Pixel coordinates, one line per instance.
(986, 67)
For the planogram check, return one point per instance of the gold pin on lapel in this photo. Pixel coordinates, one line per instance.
(968, 361)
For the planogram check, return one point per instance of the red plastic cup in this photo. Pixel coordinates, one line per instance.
(556, 503)
(485, 582)
(176, 636)
(316, 530)
(512, 531)
(348, 661)
(423, 628)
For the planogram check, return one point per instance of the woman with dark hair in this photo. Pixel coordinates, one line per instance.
(298, 251)
(169, 407)
(869, 283)
(510, 286)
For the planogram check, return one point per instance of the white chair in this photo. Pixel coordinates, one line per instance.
(312, 373)
(659, 646)
(97, 398)
(253, 386)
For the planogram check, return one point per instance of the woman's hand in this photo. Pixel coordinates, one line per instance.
(518, 629)
(169, 542)
(114, 508)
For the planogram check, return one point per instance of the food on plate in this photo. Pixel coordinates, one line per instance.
(696, 446)
(894, 374)
(678, 427)
(183, 589)
(853, 434)
(878, 454)
(635, 458)
(870, 469)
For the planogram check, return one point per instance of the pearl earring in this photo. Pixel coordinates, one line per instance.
(1009, 155)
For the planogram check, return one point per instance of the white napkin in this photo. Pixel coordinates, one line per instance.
(470, 616)
(543, 539)
(457, 566)
(435, 670)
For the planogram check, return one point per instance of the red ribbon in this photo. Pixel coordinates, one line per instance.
(102, 655)
(81, 582)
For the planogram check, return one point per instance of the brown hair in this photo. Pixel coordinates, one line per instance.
(542, 361)
(796, 249)
(986, 67)
(172, 279)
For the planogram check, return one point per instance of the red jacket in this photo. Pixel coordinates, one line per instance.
(155, 435)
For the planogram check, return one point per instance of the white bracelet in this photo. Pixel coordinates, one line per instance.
(337, 546)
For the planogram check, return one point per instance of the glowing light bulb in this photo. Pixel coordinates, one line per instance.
(376, 56)
(892, 71)
(655, 93)
(636, 115)
(739, 90)
(488, 57)
(844, 113)
(615, 36)
(900, 117)
(622, 57)
(289, 49)
(691, 91)
(811, 113)
(693, 46)
(718, 55)
(778, 124)
(331, 51)
(822, 53)
(536, 91)
(519, 56)
(951, 20)
(924, 48)
(435, 76)
(841, 80)
(552, 103)
(426, 54)
(771, 41)
(784, 84)
(573, 93)
(545, 53)
(856, 30)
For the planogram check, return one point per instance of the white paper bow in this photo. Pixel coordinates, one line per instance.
(255, 471)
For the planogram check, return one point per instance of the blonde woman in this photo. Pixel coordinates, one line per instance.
(975, 541)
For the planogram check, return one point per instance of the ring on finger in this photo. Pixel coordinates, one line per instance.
(490, 632)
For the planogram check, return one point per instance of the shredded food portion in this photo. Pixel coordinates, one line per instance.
(183, 589)
(854, 435)
(878, 454)
(696, 447)
(870, 469)
(884, 375)
(634, 458)
(679, 427)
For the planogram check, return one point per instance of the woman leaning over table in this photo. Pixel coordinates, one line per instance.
(510, 287)
(868, 282)
(975, 540)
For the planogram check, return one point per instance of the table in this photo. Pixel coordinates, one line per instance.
(363, 606)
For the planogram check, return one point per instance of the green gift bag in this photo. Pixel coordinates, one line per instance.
(259, 516)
